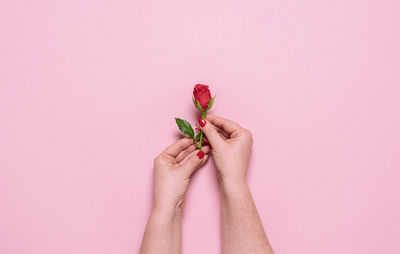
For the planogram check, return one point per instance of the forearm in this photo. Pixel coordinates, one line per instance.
(163, 234)
(242, 230)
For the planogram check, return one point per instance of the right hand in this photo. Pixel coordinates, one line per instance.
(231, 147)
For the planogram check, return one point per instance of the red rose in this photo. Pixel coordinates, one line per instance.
(202, 94)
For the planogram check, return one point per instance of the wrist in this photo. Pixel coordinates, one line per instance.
(232, 185)
(166, 214)
(171, 208)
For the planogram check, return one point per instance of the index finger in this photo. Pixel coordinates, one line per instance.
(177, 147)
(227, 125)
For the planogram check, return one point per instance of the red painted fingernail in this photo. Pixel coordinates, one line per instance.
(200, 154)
(202, 122)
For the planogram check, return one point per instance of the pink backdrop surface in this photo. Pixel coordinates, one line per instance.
(89, 91)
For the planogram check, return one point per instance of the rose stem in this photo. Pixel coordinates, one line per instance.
(201, 133)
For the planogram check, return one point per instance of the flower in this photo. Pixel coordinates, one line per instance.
(202, 95)
(202, 100)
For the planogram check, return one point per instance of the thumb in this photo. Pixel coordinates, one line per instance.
(211, 132)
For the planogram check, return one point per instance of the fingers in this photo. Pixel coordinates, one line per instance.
(195, 160)
(185, 153)
(223, 133)
(212, 134)
(229, 126)
(176, 148)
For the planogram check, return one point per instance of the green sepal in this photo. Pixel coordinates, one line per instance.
(211, 102)
(185, 127)
(194, 101)
(199, 106)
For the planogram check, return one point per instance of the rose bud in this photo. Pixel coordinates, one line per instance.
(202, 97)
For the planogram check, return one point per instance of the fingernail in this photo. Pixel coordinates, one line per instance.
(200, 154)
(202, 122)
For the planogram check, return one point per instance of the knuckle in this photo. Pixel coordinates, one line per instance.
(247, 133)
(157, 159)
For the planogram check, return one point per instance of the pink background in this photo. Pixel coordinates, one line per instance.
(89, 91)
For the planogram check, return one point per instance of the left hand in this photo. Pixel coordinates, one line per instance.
(173, 169)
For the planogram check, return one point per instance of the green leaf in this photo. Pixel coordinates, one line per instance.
(211, 102)
(185, 127)
(197, 137)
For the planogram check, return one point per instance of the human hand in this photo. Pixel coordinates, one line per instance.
(173, 169)
(231, 147)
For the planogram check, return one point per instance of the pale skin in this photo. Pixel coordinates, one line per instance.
(242, 230)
